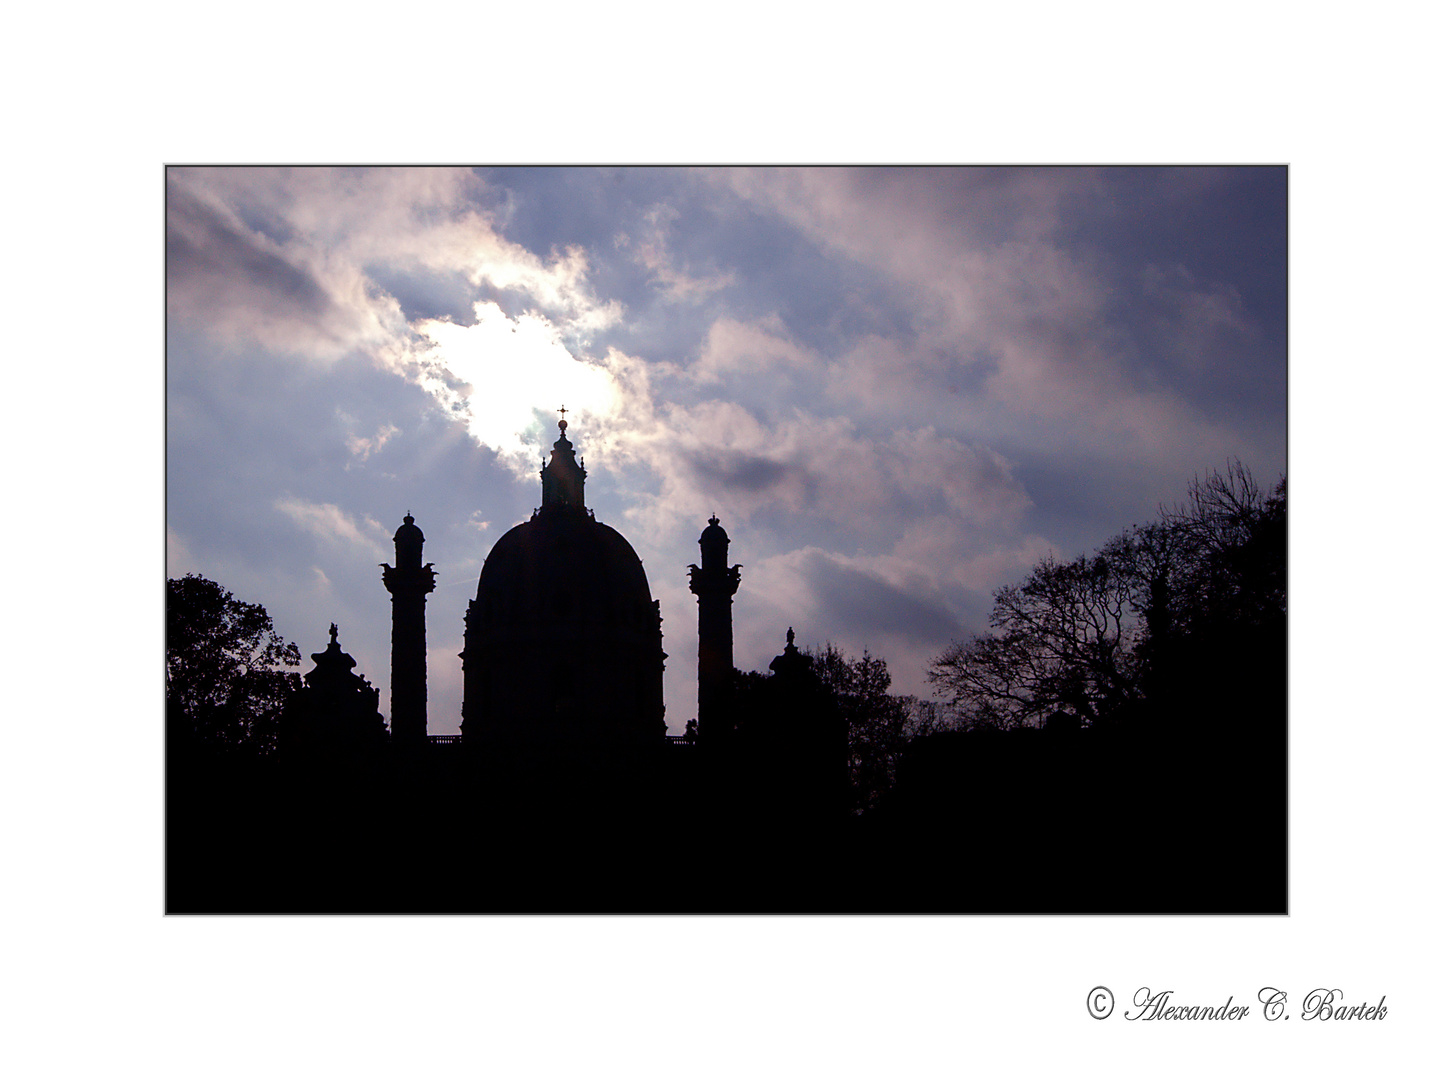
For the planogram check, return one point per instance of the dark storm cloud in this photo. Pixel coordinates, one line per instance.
(734, 470)
(874, 608)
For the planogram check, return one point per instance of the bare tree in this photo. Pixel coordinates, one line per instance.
(1062, 640)
(1230, 547)
(1089, 636)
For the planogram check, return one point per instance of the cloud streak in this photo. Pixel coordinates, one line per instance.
(335, 526)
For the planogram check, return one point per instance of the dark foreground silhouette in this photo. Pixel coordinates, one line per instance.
(1096, 769)
(1128, 819)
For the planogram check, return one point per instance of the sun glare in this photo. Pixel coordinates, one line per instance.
(518, 373)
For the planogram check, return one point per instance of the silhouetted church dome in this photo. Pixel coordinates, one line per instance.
(563, 640)
(565, 567)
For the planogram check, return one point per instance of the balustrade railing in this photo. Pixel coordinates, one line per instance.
(454, 740)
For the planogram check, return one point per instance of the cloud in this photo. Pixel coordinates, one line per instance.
(733, 347)
(719, 456)
(1195, 324)
(294, 258)
(332, 525)
(362, 448)
(653, 252)
(179, 559)
(242, 285)
(959, 555)
(850, 596)
(733, 470)
(559, 285)
(496, 373)
(1023, 332)
(897, 612)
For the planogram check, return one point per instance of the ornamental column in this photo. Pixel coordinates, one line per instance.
(714, 585)
(409, 583)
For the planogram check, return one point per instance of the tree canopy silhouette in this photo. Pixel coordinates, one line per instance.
(1091, 637)
(879, 725)
(225, 683)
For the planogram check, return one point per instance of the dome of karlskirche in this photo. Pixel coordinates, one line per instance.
(563, 640)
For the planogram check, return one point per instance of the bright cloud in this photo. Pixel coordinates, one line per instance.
(329, 523)
(295, 259)
(242, 285)
(497, 373)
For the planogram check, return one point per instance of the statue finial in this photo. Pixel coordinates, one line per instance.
(790, 635)
(333, 634)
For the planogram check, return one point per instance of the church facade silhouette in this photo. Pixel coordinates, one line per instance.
(563, 640)
(563, 790)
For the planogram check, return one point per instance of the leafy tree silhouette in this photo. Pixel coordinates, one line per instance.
(224, 685)
(871, 726)
(879, 725)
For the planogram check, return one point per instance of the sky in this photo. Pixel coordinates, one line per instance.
(898, 388)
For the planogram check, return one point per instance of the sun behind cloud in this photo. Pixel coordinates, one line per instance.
(498, 372)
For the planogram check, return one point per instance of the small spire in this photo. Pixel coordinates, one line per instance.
(563, 477)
